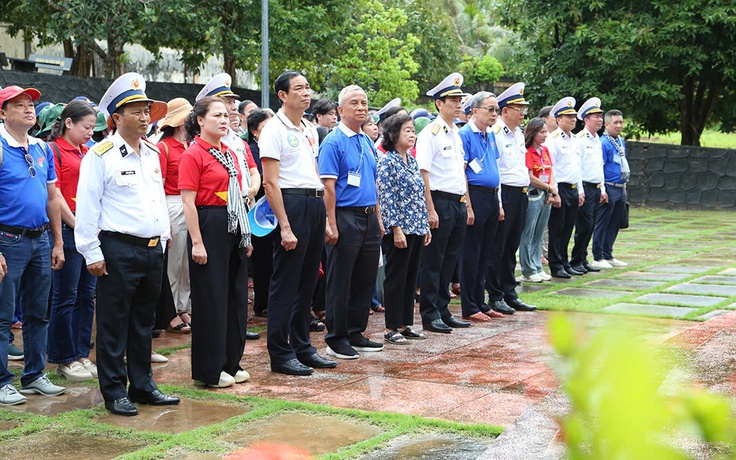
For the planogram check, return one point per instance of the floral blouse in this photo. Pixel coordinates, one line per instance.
(401, 194)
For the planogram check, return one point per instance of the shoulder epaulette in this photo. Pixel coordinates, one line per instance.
(151, 146)
(581, 134)
(103, 147)
(555, 134)
(497, 129)
(435, 129)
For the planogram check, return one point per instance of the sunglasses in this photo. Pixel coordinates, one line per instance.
(492, 109)
(31, 168)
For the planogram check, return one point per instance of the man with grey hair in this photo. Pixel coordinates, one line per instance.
(347, 167)
(483, 204)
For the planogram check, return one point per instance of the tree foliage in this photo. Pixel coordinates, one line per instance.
(669, 64)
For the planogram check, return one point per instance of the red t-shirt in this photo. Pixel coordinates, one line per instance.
(539, 165)
(170, 152)
(67, 172)
(201, 172)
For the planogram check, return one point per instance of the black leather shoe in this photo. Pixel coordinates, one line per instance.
(252, 335)
(291, 367)
(437, 326)
(590, 268)
(580, 268)
(155, 398)
(121, 406)
(318, 362)
(501, 307)
(454, 322)
(518, 305)
(573, 272)
(560, 274)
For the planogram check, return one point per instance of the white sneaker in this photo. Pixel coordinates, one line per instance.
(74, 372)
(545, 276)
(617, 263)
(241, 376)
(43, 386)
(9, 396)
(226, 380)
(600, 264)
(90, 366)
(533, 278)
(156, 358)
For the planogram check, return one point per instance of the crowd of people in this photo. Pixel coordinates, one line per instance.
(148, 215)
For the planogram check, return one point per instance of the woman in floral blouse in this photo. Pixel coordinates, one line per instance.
(404, 214)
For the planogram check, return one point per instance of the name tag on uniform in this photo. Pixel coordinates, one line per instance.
(354, 179)
(447, 151)
(476, 166)
(127, 173)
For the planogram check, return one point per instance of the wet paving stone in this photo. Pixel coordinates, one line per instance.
(697, 301)
(712, 314)
(596, 293)
(688, 269)
(528, 288)
(430, 446)
(188, 415)
(642, 309)
(708, 289)
(74, 398)
(633, 285)
(730, 272)
(731, 280)
(318, 434)
(647, 276)
(66, 446)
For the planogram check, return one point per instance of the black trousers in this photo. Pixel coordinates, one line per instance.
(262, 258)
(219, 299)
(500, 279)
(126, 311)
(561, 223)
(608, 223)
(352, 267)
(441, 257)
(585, 223)
(165, 308)
(294, 278)
(399, 288)
(477, 249)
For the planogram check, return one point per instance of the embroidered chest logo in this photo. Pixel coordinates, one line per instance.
(41, 162)
(293, 140)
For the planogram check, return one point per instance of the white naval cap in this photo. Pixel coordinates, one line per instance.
(565, 106)
(467, 101)
(130, 87)
(218, 86)
(513, 95)
(381, 114)
(450, 86)
(592, 105)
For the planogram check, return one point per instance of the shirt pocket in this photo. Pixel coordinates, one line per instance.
(126, 179)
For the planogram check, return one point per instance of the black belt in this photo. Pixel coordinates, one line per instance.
(479, 188)
(358, 209)
(591, 184)
(303, 191)
(22, 231)
(615, 184)
(568, 185)
(515, 189)
(535, 192)
(448, 196)
(151, 242)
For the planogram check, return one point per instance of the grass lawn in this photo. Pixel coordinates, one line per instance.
(710, 138)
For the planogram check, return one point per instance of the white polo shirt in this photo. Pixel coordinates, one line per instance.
(565, 158)
(591, 158)
(295, 149)
(440, 153)
(512, 162)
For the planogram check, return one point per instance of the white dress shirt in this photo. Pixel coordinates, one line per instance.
(440, 153)
(237, 145)
(512, 162)
(119, 191)
(565, 158)
(591, 158)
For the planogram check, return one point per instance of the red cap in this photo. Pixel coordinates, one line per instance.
(10, 92)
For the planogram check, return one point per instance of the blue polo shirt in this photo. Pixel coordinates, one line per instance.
(476, 145)
(611, 168)
(23, 198)
(344, 152)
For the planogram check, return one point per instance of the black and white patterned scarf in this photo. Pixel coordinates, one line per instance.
(622, 161)
(237, 215)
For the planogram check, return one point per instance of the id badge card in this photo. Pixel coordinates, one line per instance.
(544, 178)
(476, 166)
(354, 179)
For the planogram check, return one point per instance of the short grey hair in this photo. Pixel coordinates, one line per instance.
(479, 97)
(612, 113)
(345, 91)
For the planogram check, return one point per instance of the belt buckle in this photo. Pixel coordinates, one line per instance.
(524, 189)
(597, 185)
(574, 186)
(153, 242)
(463, 199)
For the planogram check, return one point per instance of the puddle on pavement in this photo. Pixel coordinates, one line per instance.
(74, 398)
(63, 446)
(318, 434)
(431, 446)
(189, 455)
(188, 415)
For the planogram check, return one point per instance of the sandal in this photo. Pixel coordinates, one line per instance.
(188, 323)
(316, 325)
(379, 308)
(410, 333)
(181, 328)
(396, 338)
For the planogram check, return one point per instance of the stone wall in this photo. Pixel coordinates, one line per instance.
(682, 177)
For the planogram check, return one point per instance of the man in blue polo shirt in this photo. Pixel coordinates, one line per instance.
(28, 206)
(347, 167)
(481, 169)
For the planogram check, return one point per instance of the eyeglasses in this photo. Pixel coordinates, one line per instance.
(31, 168)
(519, 109)
(491, 108)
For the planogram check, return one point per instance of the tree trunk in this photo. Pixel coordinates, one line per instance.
(113, 62)
(228, 57)
(688, 131)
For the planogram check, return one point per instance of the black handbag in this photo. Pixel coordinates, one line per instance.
(625, 217)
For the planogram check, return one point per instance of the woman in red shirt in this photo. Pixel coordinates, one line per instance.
(72, 301)
(542, 194)
(210, 181)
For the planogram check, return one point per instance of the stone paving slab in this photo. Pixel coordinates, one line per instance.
(731, 280)
(595, 293)
(625, 284)
(46, 444)
(730, 272)
(707, 289)
(639, 309)
(712, 314)
(681, 299)
(429, 445)
(688, 269)
(76, 397)
(648, 276)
